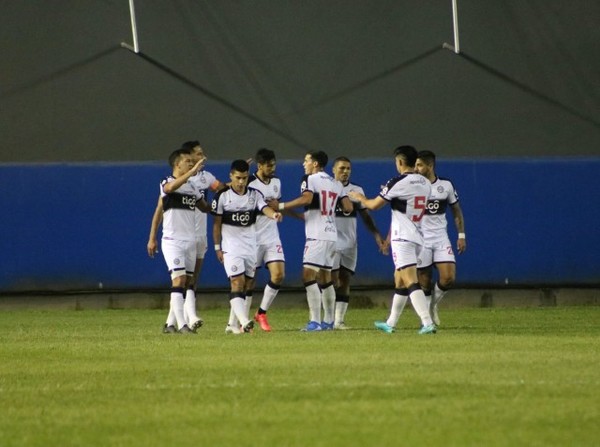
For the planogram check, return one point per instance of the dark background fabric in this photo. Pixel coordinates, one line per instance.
(349, 77)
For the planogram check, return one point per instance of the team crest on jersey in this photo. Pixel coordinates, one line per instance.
(176, 261)
(303, 186)
(234, 268)
(440, 189)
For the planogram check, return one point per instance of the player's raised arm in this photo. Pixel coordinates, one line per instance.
(176, 183)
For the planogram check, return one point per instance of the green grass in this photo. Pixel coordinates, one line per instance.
(489, 377)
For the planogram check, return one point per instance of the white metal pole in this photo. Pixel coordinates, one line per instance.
(455, 22)
(136, 46)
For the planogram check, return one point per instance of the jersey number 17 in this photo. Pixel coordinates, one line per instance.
(328, 201)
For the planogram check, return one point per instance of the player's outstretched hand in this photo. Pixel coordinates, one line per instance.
(277, 216)
(198, 166)
(356, 196)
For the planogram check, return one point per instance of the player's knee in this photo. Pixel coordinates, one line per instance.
(446, 282)
(277, 277)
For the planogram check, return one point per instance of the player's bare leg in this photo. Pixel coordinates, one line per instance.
(447, 276)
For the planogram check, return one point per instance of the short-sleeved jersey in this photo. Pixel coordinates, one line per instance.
(407, 195)
(434, 224)
(202, 181)
(346, 223)
(319, 215)
(179, 209)
(238, 211)
(266, 228)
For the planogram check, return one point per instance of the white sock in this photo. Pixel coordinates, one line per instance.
(328, 297)
(438, 294)
(239, 308)
(419, 303)
(248, 304)
(268, 296)
(398, 303)
(189, 306)
(233, 321)
(428, 298)
(313, 296)
(340, 311)
(177, 307)
(171, 320)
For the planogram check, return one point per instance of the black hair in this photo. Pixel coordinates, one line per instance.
(407, 153)
(346, 159)
(189, 145)
(239, 166)
(264, 155)
(427, 156)
(175, 155)
(320, 157)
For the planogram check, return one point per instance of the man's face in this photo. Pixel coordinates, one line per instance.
(185, 163)
(309, 165)
(341, 171)
(422, 168)
(267, 169)
(198, 154)
(239, 180)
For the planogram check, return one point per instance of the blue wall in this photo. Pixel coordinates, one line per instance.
(74, 226)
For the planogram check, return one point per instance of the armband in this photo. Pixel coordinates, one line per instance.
(461, 236)
(217, 247)
(281, 206)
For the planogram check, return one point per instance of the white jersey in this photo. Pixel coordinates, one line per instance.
(407, 195)
(266, 228)
(202, 181)
(319, 216)
(179, 209)
(346, 223)
(434, 224)
(238, 211)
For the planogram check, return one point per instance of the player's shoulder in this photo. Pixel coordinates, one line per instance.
(254, 191)
(395, 180)
(167, 179)
(351, 186)
(444, 180)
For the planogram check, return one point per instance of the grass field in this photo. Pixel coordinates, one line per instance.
(527, 377)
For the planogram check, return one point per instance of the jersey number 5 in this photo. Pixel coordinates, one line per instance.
(328, 207)
(420, 203)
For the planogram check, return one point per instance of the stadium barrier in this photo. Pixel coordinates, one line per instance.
(84, 226)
